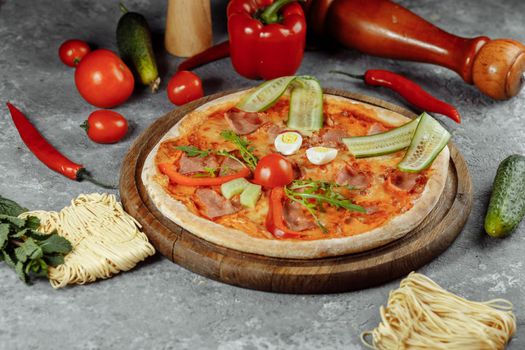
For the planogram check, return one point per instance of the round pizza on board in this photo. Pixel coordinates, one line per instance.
(205, 175)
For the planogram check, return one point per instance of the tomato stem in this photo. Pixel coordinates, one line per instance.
(85, 125)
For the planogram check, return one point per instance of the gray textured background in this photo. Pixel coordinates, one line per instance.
(162, 306)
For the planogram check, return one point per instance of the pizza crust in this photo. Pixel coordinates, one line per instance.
(238, 240)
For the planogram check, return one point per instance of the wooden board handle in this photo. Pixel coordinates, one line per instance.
(188, 27)
(384, 28)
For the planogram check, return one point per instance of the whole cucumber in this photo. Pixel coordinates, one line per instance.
(507, 202)
(135, 47)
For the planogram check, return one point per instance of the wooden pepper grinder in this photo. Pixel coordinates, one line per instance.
(384, 28)
(188, 27)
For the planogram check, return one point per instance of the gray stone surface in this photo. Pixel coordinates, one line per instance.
(160, 305)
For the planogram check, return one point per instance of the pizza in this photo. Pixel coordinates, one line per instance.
(331, 205)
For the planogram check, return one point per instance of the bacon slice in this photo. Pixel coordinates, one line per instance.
(402, 181)
(230, 166)
(352, 177)
(212, 205)
(296, 218)
(190, 165)
(243, 122)
(272, 132)
(329, 138)
(376, 128)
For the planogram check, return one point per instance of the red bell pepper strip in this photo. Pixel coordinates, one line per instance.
(214, 53)
(409, 90)
(271, 45)
(275, 218)
(46, 153)
(171, 172)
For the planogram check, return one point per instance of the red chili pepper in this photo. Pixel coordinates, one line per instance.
(275, 217)
(268, 45)
(45, 152)
(171, 172)
(409, 90)
(214, 53)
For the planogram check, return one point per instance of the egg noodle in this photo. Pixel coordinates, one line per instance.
(105, 239)
(422, 315)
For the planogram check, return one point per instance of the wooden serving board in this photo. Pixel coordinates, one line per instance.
(326, 275)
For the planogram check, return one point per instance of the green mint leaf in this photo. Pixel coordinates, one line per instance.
(55, 244)
(32, 222)
(20, 234)
(38, 236)
(20, 271)
(20, 223)
(10, 208)
(28, 250)
(4, 235)
(54, 259)
(9, 260)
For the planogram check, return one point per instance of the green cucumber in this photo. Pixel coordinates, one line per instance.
(250, 195)
(265, 95)
(429, 140)
(135, 47)
(306, 105)
(507, 202)
(234, 187)
(383, 143)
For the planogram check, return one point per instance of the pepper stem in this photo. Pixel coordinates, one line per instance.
(355, 76)
(271, 13)
(83, 174)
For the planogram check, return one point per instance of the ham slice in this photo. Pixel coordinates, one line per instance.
(243, 122)
(348, 175)
(402, 181)
(212, 205)
(190, 165)
(296, 218)
(230, 166)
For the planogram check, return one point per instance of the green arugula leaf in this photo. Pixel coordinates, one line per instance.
(244, 148)
(313, 195)
(55, 244)
(10, 208)
(192, 151)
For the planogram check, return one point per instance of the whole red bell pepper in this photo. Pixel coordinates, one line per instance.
(267, 37)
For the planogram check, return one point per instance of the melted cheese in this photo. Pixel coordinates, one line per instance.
(381, 203)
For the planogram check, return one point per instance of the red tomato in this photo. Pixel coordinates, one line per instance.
(105, 126)
(103, 79)
(72, 51)
(273, 170)
(184, 87)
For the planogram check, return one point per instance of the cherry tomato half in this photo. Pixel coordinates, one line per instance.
(103, 79)
(72, 51)
(105, 126)
(184, 87)
(273, 170)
